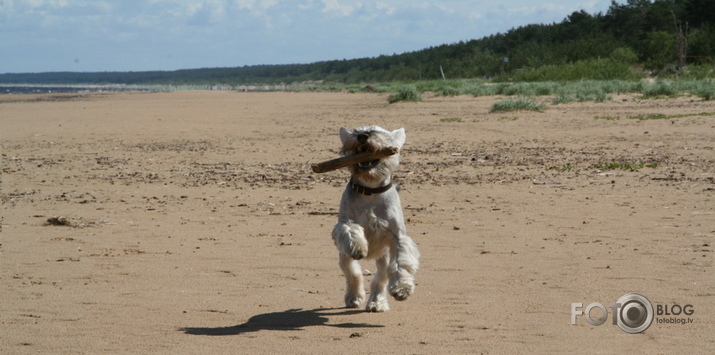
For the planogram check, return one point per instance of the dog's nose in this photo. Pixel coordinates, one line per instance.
(362, 138)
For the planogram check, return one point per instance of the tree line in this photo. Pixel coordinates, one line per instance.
(660, 36)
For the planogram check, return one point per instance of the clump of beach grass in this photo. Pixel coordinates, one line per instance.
(518, 104)
(405, 93)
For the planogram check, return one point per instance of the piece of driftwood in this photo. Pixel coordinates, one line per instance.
(349, 160)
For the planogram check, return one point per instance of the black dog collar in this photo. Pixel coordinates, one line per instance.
(368, 190)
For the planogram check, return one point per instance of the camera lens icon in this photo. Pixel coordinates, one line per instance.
(635, 314)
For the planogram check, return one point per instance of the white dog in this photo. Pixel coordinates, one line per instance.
(371, 225)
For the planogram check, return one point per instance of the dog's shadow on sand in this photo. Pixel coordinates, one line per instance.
(292, 319)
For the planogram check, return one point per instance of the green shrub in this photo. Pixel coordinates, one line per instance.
(543, 90)
(704, 89)
(480, 90)
(624, 55)
(698, 72)
(450, 91)
(660, 88)
(517, 104)
(406, 93)
(562, 98)
(706, 93)
(527, 88)
(597, 95)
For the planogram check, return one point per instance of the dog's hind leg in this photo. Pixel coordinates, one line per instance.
(403, 266)
(378, 287)
(355, 291)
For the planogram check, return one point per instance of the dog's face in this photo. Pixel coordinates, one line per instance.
(372, 138)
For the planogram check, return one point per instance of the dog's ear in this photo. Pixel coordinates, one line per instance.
(345, 135)
(399, 136)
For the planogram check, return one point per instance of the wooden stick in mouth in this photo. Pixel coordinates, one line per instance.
(330, 165)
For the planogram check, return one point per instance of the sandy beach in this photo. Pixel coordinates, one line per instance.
(190, 222)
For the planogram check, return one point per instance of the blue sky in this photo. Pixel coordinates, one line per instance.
(132, 35)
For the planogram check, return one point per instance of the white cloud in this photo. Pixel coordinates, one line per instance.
(307, 5)
(446, 9)
(245, 4)
(255, 5)
(41, 3)
(249, 10)
(335, 8)
(389, 10)
(474, 15)
(207, 12)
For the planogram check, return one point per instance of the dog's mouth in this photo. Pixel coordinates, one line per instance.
(367, 165)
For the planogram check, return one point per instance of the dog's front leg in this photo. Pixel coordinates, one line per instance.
(354, 291)
(351, 243)
(350, 239)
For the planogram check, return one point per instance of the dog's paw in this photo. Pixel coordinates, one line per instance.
(354, 298)
(358, 253)
(377, 306)
(357, 250)
(401, 292)
(353, 302)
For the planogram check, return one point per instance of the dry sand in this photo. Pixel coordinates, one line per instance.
(196, 225)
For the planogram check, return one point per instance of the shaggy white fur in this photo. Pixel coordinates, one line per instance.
(371, 225)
